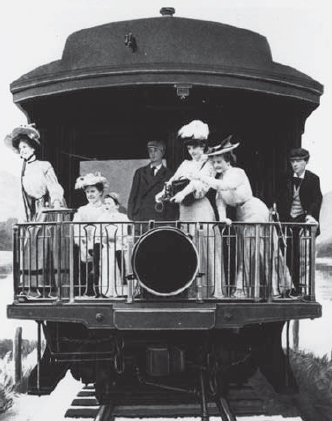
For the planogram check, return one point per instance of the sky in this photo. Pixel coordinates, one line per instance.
(33, 33)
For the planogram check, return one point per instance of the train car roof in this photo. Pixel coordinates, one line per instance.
(162, 51)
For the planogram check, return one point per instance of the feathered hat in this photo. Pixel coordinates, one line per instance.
(194, 131)
(91, 179)
(25, 131)
(225, 146)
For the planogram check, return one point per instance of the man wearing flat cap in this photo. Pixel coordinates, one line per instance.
(147, 182)
(299, 200)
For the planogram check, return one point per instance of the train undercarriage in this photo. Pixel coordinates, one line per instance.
(193, 366)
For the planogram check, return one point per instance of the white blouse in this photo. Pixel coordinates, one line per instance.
(89, 212)
(233, 189)
(187, 168)
(85, 236)
(39, 178)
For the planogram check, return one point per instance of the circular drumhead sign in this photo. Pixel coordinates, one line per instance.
(165, 261)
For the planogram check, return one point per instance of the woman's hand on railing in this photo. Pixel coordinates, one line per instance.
(56, 204)
(226, 221)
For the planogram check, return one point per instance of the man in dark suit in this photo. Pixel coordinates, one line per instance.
(147, 182)
(299, 200)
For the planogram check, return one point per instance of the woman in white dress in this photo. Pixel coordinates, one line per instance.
(40, 186)
(86, 236)
(196, 207)
(233, 189)
(114, 248)
(40, 191)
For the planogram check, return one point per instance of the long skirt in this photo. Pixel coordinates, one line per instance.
(207, 240)
(44, 262)
(272, 271)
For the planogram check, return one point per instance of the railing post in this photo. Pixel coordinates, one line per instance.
(273, 242)
(71, 263)
(16, 259)
(57, 249)
(130, 277)
(200, 274)
(257, 263)
(312, 284)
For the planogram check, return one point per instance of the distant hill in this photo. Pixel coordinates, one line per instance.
(324, 240)
(10, 194)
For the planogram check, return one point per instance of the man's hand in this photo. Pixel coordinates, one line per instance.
(159, 196)
(311, 220)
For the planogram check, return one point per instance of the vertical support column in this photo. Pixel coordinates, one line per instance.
(204, 407)
(296, 334)
(38, 353)
(18, 355)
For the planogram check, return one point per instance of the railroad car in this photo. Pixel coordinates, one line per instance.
(115, 87)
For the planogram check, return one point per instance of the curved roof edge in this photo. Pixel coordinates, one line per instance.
(221, 56)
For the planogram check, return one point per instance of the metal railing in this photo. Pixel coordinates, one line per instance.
(75, 261)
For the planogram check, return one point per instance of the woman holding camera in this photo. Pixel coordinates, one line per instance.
(195, 206)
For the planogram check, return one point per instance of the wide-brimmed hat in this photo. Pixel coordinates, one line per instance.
(27, 131)
(195, 131)
(225, 146)
(299, 153)
(91, 179)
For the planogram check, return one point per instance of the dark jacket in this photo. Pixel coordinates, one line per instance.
(141, 203)
(310, 196)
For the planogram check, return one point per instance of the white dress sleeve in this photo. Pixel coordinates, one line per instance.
(200, 187)
(54, 189)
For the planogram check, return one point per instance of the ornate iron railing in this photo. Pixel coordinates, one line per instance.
(69, 261)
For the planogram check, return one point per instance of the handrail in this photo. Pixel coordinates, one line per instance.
(57, 260)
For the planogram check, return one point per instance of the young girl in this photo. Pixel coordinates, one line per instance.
(86, 236)
(114, 247)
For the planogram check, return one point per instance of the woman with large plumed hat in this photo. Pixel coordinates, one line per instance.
(40, 186)
(40, 190)
(193, 204)
(233, 189)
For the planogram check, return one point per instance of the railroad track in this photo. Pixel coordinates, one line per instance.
(243, 401)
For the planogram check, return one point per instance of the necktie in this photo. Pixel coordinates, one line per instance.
(297, 181)
(152, 171)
